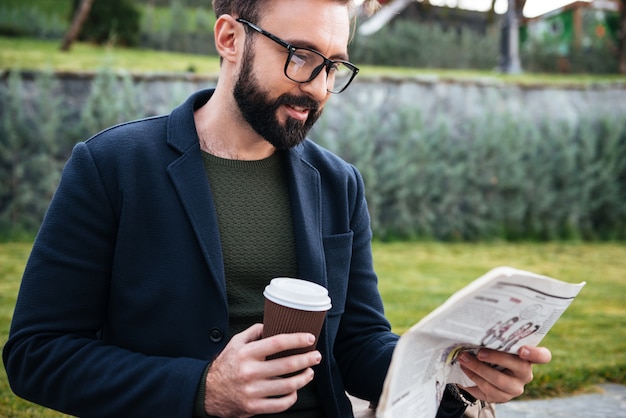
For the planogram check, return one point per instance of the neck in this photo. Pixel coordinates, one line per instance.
(225, 136)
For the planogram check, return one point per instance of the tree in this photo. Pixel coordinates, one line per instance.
(112, 22)
(80, 16)
(509, 42)
(621, 38)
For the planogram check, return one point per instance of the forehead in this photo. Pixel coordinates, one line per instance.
(320, 24)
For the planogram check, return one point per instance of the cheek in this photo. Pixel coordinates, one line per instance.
(270, 72)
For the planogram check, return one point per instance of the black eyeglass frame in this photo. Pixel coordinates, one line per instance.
(327, 64)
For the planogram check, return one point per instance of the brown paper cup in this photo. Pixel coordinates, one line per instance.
(294, 305)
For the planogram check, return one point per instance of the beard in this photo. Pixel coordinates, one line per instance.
(261, 112)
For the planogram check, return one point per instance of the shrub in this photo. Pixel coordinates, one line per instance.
(410, 44)
(501, 177)
(38, 136)
(491, 176)
(30, 154)
(595, 58)
(178, 28)
(30, 21)
(111, 21)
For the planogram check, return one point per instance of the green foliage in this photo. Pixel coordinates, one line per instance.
(496, 175)
(29, 154)
(410, 44)
(112, 100)
(186, 3)
(178, 28)
(37, 137)
(492, 177)
(22, 19)
(112, 21)
(596, 58)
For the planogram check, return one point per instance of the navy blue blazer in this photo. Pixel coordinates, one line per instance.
(123, 301)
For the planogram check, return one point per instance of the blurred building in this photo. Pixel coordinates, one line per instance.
(574, 33)
(581, 25)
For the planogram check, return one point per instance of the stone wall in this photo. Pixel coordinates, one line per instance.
(433, 97)
(459, 100)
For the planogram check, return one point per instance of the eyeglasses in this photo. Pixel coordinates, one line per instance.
(304, 64)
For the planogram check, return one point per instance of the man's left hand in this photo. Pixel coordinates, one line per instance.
(500, 376)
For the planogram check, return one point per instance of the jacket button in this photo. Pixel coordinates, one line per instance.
(216, 335)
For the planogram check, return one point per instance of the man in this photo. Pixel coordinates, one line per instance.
(143, 293)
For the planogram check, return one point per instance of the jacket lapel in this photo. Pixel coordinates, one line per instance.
(189, 177)
(306, 206)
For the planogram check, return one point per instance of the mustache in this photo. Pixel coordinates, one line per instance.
(298, 101)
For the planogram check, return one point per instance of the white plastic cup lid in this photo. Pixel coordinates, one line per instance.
(298, 294)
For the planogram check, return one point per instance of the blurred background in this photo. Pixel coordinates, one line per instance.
(469, 120)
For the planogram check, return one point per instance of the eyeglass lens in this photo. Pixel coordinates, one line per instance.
(305, 65)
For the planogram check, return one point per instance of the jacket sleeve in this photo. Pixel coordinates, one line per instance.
(451, 406)
(54, 355)
(364, 342)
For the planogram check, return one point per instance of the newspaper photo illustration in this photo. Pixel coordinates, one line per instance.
(503, 310)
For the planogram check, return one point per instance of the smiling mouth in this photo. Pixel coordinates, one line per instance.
(298, 112)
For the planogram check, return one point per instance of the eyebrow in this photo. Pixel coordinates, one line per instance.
(306, 44)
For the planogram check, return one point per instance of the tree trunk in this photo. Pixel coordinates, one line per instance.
(621, 38)
(80, 16)
(510, 62)
(509, 41)
(491, 13)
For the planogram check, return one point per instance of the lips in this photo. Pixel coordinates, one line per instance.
(298, 112)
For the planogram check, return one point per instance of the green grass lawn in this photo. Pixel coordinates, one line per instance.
(36, 54)
(588, 343)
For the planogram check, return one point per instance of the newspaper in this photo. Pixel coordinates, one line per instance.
(503, 310)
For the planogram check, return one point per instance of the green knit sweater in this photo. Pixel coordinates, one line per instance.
(258, 242)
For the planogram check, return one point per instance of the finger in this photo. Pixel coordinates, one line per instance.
(285, 385)
(510, 364)
(535, 355)
(272, 405)
(494, 385)
(281, 342)
(292, 364)
(484, 390)
(275, 386)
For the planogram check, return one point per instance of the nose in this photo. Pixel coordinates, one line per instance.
(317, 88)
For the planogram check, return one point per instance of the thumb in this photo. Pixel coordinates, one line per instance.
(536, 355)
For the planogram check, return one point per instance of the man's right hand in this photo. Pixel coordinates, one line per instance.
(241, 383)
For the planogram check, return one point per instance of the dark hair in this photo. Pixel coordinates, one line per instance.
(252, 9)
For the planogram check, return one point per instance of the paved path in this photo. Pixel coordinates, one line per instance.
(611, 403)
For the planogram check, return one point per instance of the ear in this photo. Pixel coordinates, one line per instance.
(229, 37)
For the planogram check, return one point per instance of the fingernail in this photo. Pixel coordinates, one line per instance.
(483, 354)
(311, 338)
(463, 357)
(524, 352)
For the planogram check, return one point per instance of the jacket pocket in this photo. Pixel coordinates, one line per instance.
(338, 254)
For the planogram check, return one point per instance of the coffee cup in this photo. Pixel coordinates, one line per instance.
(294, 305)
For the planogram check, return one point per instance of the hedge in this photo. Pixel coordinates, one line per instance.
(491, 178)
